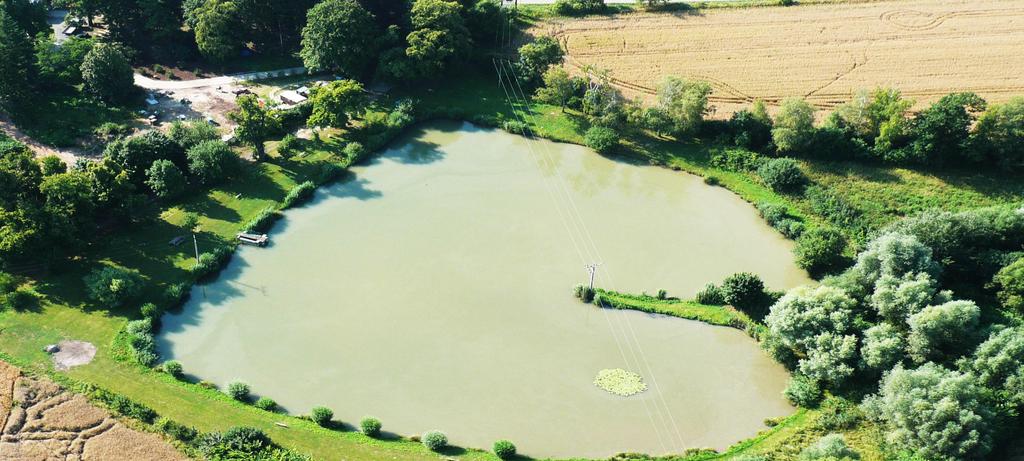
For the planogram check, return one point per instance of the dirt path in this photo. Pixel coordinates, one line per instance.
(67, 155)
(152, 84)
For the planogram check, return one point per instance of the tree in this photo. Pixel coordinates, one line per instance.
(68, 198)
(62, 65)
(113, 286)
(601, 139)
(164, 178)
(895, 299)
(884, 347)
(558, 87)
(135, 154)
(189, 133)
(804, 312)
(934, 413)
(941, 132)
(831, 358)
(999, 134)
(337, 37)
(439, 36)
(217, 24)
(255, 122)
(820, 250)
(107, 73)
(52, 165)
(337, 102)
(894, 254)
(17, 66)
(744, 291)
(942, 332)
(1010, 280)
(794, 126)
(684, 102)
(162, 19)
(30, 16)
(536, 57)
(210, 162)
(999, 364)
(752, 129)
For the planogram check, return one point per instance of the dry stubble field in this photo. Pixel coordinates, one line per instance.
(820, 52)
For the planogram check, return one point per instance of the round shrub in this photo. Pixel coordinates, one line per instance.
(238, 390)
(354, 151)
(139, 327)
(803, 391)
(112, 286)
(435, 440)
(266, 403)
(601, 139)
(370, 426)
(820, 250)
(790, 228)
(744, 291)
(782, 175)
(173, 368)
(504, 449)
(288, 146)
(710, 295)
(151, 311)
(321, 415)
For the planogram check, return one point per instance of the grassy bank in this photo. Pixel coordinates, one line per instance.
(63, 313)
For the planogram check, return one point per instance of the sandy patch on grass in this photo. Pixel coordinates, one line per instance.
(72, 354)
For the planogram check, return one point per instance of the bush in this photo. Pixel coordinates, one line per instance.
(836, 209)
(176, 430)
(1010, 281)
(820, 250)
(583, 293)
(578, 7)
(266, 403)
(300, 193)
(839, 414)
(262, 221)
(173, 368)
(710, 295)
(238, 390)
(782, 175)
(744, 291)
(504, 449)
(514, 127)
(288, 146)
(790, 228)
(124, 406)
(18, 300)
(435, 440)
(831, 447)
(803, 391)
(212, 162)
(244, 439)
(211, 262)
(736, 160)
(113, 286)
(139, 327)
(601, 139)
(327, 172)
(353, 151)
(176, 294)
(321, 416)
(370, 426)
(662, 294)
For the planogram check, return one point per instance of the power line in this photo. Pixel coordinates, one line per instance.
(588, 238)
(580, 226)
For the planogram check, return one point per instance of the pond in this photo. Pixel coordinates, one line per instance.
(432, 290)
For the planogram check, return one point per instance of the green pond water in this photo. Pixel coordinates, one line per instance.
(432, 289)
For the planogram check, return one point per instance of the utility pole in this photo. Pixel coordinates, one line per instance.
(592, 268)
(195, 243)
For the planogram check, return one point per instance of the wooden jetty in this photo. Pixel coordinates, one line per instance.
(253, 239)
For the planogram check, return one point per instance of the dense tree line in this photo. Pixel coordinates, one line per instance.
(943, 371)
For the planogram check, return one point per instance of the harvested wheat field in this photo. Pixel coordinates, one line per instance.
(39, 421)
(820, 52)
